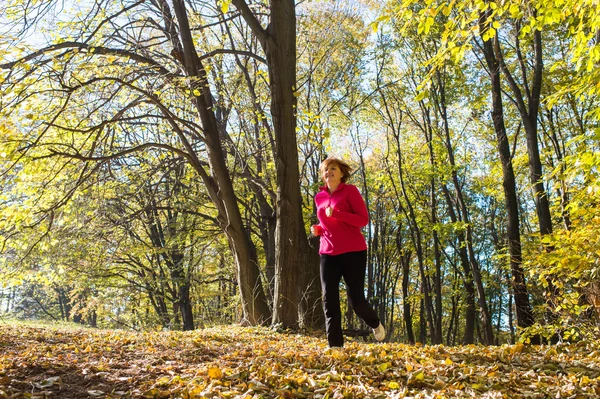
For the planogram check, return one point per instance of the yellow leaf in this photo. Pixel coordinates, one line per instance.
(393, 385)
(196, 391)
(585, 380)
(215, 372)
(375, 26)
(383, 367)
(517, 348)
(225, 6)
(489, 34)
(162, 381)
(448, 362)
(197, 92)
(514, 11)
(428, 24)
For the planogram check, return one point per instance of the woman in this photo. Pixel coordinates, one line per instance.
(342, 212)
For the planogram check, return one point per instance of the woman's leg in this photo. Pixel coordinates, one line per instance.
(331, 275)
(353, 270)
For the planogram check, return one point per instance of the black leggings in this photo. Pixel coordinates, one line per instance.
(351, 266)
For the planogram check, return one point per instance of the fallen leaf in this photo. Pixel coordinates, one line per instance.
(215, 372)
(47, 383)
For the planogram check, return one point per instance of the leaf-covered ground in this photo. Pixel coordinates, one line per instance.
(235, 362)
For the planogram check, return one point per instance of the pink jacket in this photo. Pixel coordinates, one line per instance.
(341, 233)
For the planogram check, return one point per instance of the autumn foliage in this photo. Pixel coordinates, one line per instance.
(236, 362)
(159, 161)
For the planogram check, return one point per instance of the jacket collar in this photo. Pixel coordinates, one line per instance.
(339, 188)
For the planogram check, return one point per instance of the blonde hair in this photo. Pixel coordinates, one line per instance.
(344, 167)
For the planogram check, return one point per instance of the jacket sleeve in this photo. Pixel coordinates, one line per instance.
(358, 216)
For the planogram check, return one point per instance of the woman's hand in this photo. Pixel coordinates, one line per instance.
(316, 230)
(329, 211)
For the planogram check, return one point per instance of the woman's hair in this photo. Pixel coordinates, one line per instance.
(344, 167)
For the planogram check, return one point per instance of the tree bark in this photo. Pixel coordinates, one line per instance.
(405, 261)
(523, 307)
(280, 50)
(467, 253)
(529, 115)
(437, 335)
(253, 298)
(469, 333)
(426, 303)
(297, 296)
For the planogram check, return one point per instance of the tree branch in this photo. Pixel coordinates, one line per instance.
(252, 21)
(91, 50)
(141, 147)
(228, 51)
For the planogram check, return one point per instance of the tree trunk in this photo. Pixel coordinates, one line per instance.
(297, 295)
(462, 213)
(185, 307)
(405, 261)
(267, 225)
(451, 334)
(254, 303)
(523, 307)
(469, 334)
(267, 218)
(422, 319)
(563, 192)
(437, 335)
(182, 285)
(529, 115)
(280, 50)
(417, 242)
(370, 239)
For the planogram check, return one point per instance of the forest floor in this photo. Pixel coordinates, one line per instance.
(236, 362)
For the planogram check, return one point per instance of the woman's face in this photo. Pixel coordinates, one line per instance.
(332, 175)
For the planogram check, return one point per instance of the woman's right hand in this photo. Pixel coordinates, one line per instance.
(316, 230)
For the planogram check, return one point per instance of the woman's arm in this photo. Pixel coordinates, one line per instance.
(358, 216)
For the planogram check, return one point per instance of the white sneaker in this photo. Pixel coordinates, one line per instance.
(379, 332)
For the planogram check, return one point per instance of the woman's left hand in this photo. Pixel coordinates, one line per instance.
(329, 211)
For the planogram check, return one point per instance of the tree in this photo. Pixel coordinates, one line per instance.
(524, 311)
(177, 30)
(151, 172)
(454, 44)
(292, 252)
